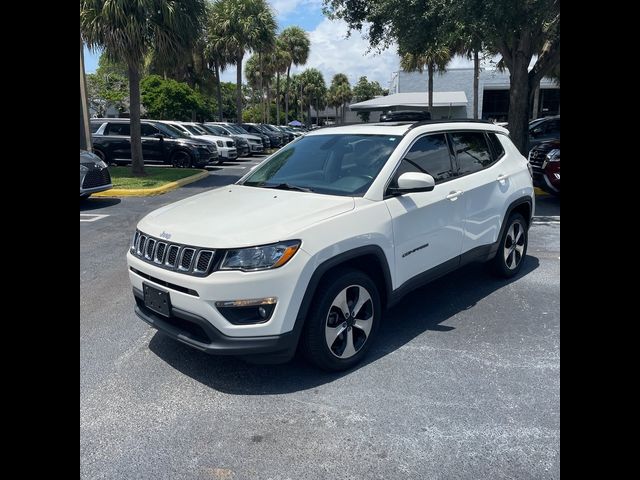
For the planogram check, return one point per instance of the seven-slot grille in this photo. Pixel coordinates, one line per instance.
(172, 256)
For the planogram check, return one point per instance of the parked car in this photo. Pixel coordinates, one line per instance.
(94, 174)
(403, 116)
(543, 130)
(286, 136)
(226, 145)
(275, 138)
(545, 165)
(242, 145)
(318, 240)
(295, 132)
(160, 144)
(256, 142)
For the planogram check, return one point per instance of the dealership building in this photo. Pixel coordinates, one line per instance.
(452, 97)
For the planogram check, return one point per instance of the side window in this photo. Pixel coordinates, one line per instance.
(553, 127)
(430, 154)
(498, 149)
(147, 130)
(471, 151)
(95, 126)
(121, 129)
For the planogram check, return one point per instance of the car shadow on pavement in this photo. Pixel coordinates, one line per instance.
(92, 203)
(423, 310)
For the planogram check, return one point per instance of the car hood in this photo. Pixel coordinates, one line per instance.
(212, 138)
(250, 137)
(241, 216)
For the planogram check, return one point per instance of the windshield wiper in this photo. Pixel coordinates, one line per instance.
(287, 186)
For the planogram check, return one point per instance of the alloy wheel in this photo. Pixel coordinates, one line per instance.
(514, 245)
(349, 321)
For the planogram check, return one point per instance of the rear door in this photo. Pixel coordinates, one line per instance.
(484, 176)
(427, 226)
(152, 146)
(119, 140)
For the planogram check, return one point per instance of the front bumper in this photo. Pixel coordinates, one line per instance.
(228, 153)
(198, 333)
(256, 148)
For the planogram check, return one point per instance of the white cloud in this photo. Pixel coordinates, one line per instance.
(332, 53)
(283, 8)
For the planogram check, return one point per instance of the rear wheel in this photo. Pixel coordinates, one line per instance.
(181, 159)
(343, 321)
(513, 247)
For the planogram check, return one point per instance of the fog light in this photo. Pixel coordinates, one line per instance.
(243, 312)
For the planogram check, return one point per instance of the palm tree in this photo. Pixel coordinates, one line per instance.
(128, 31)
(340, 92)
(295, 41)
(246, 25)
(217, 51)
(315, 91)
(279, 60)
(434, 57)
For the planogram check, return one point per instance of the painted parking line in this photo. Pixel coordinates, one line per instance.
(91, 217)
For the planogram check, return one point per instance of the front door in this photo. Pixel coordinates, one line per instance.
(427, 226)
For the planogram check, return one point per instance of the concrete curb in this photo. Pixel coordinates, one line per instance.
(539, 191)
(148, 192)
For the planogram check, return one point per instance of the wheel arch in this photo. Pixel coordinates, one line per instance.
(369, 259)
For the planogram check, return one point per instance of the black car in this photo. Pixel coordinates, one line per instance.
(161, 143)
(286, 136)
(275, 139)
(544, 129)
(241, 143)
(405, 116)
(254, 130)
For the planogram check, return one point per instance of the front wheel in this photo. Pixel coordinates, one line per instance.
(343, 321)
(513, 247)
(181, 159)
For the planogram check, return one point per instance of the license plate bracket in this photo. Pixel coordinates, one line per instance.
(157, 300)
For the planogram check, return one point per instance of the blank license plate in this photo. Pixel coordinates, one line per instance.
(157, 300)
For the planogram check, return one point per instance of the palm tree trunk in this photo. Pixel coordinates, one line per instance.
(277, 98)
(137, 162)
(431, 69)
(286, 97)
(239, 88)
(336, 119)
(342, 119)
(476, 81)
(268, 103)
(218, 90)
(317, 113)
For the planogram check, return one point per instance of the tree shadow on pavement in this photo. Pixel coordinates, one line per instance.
(421, 311)
(93, 203)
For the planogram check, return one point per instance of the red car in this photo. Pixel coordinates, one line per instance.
(545, 165)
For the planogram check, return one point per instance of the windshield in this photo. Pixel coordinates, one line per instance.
(193, 129)
(333, 164)
(215, 129)
(171, 131)
(237, 129)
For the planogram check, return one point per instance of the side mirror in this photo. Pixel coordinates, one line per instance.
(536, 131)
(411, 182)
(158, 136)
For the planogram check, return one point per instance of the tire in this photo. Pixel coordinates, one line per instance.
(351, 339)
(220, 160)
(181, 159)
(510, 255)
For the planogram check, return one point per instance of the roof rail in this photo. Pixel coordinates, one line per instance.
(453, 120)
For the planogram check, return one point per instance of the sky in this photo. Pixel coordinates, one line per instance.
(331, 52)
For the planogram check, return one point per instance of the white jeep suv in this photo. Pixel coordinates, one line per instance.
(320, 238)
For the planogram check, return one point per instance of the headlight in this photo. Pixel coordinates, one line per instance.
(553, 155)
(102, 164)
(219, 142)
(84, 168)
(260, 258)
(202, 145)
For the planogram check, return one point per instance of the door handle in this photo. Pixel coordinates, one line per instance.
(502, 177)
(454, 194)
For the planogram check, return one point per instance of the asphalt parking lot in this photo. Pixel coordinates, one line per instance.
(462, 382)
